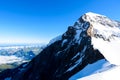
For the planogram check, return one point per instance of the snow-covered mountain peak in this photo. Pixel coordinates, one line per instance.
(105, 35)
(92, 17)
(98, 26)
(97, 18)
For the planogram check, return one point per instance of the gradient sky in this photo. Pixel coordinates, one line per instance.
(33, 21)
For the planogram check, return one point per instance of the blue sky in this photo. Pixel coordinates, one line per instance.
(33, 21)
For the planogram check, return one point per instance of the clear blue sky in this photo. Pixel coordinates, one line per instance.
(32, 21)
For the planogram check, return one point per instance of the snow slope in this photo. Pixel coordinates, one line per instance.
(109, 49)
(112, 74)
(97, 67)
(106, 36)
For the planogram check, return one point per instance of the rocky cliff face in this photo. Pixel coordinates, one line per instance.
(66, 54)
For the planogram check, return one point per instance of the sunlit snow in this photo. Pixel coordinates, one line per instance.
(112, 74)
(97, 67)
(107, 36)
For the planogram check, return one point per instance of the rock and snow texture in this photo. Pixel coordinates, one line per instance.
(105, 35)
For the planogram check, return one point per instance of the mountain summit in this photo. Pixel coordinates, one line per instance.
(105, 36)
(91, 39)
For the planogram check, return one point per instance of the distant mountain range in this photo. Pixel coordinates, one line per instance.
(88, 48)
(13, 55)
(22, 51)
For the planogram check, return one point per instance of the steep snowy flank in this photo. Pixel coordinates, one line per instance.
(55, 39)
(109, 49)
(105, 34)
(111, 74)
(97, 67)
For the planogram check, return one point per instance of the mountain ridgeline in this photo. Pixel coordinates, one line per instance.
(69, 53)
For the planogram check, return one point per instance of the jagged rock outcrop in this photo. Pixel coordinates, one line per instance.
(67, 54)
